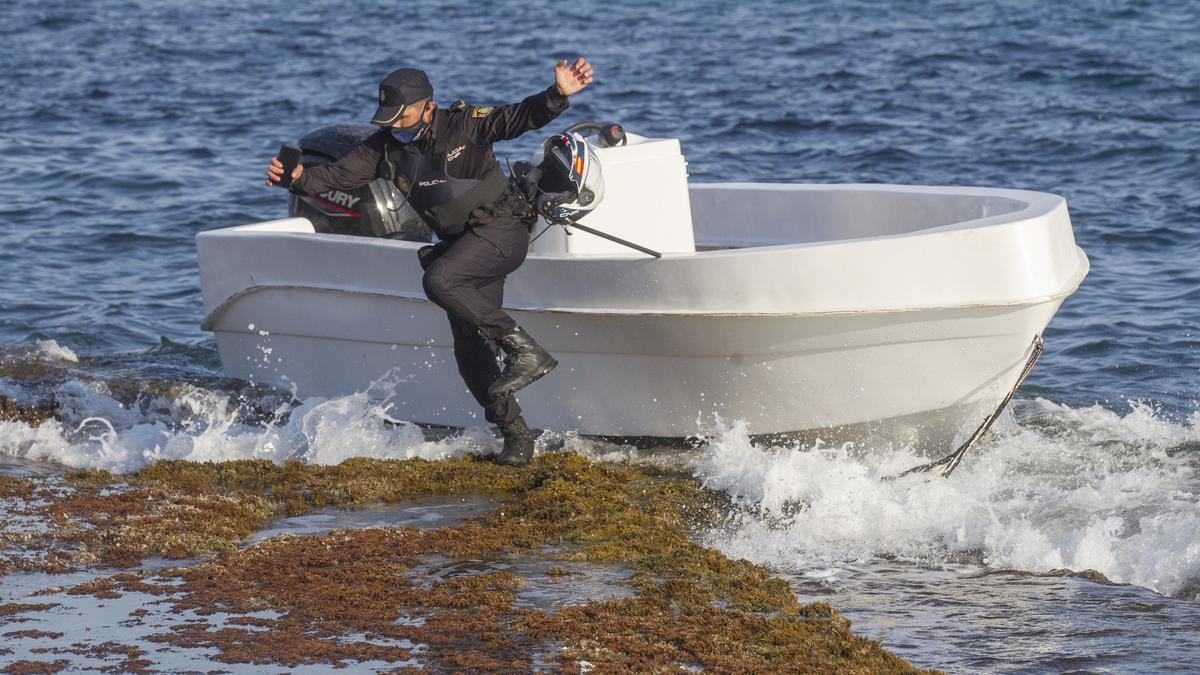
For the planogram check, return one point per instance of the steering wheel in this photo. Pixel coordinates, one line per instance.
(611, 133)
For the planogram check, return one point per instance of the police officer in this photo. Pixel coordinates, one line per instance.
(443, 160)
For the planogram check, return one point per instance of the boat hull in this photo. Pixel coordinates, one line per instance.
(914, 377)
(902, 338)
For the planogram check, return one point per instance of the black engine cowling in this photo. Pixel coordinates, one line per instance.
(377, 209)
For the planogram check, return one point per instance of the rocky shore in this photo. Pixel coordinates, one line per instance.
(402, 598)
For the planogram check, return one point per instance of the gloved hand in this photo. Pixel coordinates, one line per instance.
(427, 254)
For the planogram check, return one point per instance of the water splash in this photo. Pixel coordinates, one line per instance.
(50, 350)
(189, 422)
(1053, 487)
(1076, 488)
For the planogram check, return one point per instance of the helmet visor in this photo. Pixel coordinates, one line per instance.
(559, 173)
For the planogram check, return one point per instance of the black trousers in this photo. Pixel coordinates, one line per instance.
(465, 276)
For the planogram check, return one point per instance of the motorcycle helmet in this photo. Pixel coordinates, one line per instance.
(569, 182)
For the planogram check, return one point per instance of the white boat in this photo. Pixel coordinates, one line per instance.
(843, 312)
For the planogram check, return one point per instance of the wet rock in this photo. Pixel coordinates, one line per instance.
(365, 594)
(25, 667)
(33, 415)
(1090, 575)
(1189, 590)
(1185, 448)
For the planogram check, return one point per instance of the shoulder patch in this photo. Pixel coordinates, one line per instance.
(482, 111)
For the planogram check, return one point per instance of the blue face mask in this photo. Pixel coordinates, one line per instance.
(410, 133)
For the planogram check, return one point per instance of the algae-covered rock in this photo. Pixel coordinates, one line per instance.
(337, 596)
(31, 414)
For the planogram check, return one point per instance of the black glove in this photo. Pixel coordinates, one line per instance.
(427, 254)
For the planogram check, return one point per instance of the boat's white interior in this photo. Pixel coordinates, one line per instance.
(648, 201)
(749, 214)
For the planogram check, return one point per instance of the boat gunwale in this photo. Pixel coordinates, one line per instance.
(1037, 204)
(210, 320)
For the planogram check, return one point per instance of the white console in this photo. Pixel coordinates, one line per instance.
(645, 202)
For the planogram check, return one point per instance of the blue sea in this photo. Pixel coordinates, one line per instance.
(128, 127)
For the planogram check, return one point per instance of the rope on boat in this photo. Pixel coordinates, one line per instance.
(946, 465)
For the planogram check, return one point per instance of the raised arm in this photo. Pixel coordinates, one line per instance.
(506, 122)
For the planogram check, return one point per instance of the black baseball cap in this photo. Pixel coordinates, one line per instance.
(399, 89)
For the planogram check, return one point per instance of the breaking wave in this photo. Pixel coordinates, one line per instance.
(98, 430)
(1063, 488)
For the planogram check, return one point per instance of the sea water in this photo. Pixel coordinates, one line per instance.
(128, 127)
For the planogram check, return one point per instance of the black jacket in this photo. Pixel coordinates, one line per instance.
(472, 130)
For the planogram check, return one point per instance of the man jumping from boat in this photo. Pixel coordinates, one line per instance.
(443, 160)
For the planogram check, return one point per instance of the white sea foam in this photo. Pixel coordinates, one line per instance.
(196, 424)
(1082, 488)
(42, 351)
(50, 350)
(1068, 488)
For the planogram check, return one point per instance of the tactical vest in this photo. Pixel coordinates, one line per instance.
(445, 203)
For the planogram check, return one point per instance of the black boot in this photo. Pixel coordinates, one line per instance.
(524, 362)
(518, 444)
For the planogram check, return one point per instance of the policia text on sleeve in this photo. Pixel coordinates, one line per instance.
(443, 161)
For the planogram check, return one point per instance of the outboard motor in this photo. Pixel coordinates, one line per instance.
(377, 209)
